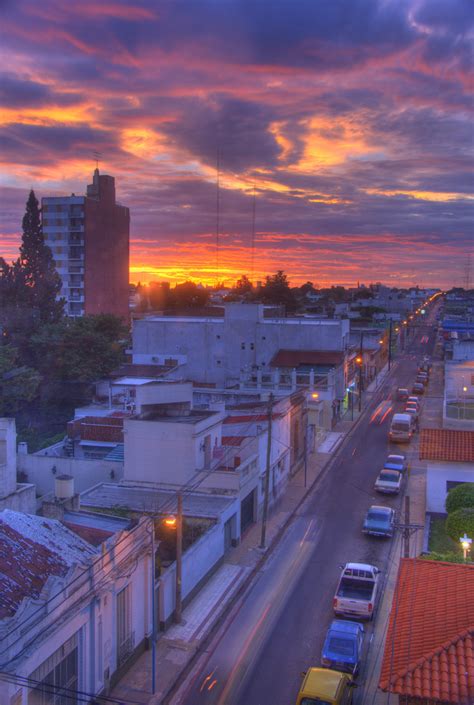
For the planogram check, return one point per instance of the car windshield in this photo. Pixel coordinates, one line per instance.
(399, 426)
(389, 476)
(341, 646)
(314, 701)
(379, 517)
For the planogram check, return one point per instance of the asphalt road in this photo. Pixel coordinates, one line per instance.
(278, 627)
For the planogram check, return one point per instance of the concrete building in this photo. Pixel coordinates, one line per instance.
(220, 350)
(19, 496)
(81, 612)
(89, 239)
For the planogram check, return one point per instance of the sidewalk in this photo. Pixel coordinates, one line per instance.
(432, 412)
(176, 647)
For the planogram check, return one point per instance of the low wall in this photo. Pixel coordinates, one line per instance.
(22, 500)
(198, 561)
(86, 473)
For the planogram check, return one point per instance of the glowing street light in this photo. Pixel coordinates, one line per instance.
(170, 521)
(466, 544)
(315, 395)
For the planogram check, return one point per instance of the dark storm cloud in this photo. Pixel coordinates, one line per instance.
(25, 143)
(238, 129)
(16, 92)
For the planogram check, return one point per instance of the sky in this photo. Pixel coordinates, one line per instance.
(342, 129)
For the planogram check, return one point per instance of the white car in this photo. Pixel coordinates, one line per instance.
(389, 482)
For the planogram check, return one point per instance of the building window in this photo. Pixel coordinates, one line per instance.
(124, 626)
(57, 677)
(264, 337)
(242, 346)
(252, 346)
(218, 337)
(218, 362)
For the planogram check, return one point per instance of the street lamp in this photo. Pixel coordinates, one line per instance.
(466, 544)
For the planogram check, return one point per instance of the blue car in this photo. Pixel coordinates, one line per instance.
(342, 648)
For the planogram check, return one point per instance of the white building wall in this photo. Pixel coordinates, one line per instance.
(218, 350)
(86, 473)
(437, 475)
(7, 456)
(167, 452)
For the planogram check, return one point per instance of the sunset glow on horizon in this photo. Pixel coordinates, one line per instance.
(347, 126)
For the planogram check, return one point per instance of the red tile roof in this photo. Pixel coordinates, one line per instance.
(297, 358)
(97, 428)
(25, 568)
(447, 445)
(233, 440)
(429, 651)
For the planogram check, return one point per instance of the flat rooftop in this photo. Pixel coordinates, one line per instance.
(154, 501)
(194, 416)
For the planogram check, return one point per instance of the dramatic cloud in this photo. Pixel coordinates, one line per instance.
(348, 124)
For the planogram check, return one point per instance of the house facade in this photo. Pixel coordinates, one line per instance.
(77, 618)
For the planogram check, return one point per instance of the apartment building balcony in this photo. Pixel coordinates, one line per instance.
(230, 478)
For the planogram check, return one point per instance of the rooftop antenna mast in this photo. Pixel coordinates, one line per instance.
(217, 212)
(97, 157)
(467, 274)
(252, 262)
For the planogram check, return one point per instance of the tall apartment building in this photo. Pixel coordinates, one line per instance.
(89, 239)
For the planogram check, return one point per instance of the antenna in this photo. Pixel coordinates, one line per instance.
(217, 212)
(253, 236)
(467, 273)
(97, 157)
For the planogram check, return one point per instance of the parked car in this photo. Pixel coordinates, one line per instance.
(396, 461)
(402, 394)
(413, 399)
(388, 481)
(418, 388)
(321, 685)
(357, 591)
(379, 521)
(342, 648)
(412, 405)
(423, 378)
(414, 413)
(401, 428)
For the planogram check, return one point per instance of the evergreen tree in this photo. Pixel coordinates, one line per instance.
(42, 281)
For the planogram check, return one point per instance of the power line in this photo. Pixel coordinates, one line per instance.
(70, 693)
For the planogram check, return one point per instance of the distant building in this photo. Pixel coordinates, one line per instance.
(89, 239)
(224, 350)
(13, 495)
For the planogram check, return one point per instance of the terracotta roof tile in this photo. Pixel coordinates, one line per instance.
(429, 651)
(250, 418)
(448, 445)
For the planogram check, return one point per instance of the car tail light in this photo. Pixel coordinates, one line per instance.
(371, 607)
(334, 602)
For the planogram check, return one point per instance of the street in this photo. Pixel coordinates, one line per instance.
(278, 627)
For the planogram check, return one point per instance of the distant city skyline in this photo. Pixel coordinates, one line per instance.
(348, 125)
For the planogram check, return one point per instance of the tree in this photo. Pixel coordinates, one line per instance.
(460, 522)
(188, 295)
(80, 350)
(243, 285)
(276, 290)
(43, 283)
(18, 384)
(460, 496)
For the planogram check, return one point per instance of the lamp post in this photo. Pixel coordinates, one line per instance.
(176, 522)
(466, 544)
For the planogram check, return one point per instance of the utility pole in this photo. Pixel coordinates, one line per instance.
(361, 363)
(153, 610)
(390, 345)
(267, 472)
(407, 529)
(306, 452)
(179, 557)
(406, 533)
